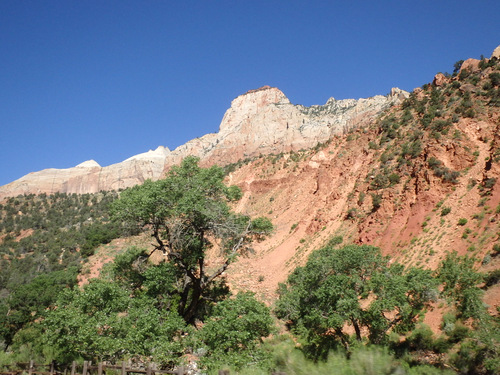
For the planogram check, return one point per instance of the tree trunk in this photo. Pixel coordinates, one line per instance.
(343, 340)
(190, 313)
(184, 295)
(357, 329)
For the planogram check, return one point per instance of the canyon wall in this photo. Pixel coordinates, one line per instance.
(261, 121)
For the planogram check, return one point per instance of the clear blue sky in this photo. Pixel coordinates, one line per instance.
(106, 80)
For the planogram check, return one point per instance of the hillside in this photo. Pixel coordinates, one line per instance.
(418, 182)
(416, 175)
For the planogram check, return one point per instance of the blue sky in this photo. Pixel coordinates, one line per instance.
(106, 80)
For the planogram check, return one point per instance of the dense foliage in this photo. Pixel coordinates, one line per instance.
(111, 318)
(45, 240)
(234, 331)
(132, 312)
(187, 214)
(352, 286)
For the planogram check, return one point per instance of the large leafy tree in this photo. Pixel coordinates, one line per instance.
(234, 332)
(188, 213)
(352, 286)
(460, 283)
(131, 312)
(102, 322)
(28, 302)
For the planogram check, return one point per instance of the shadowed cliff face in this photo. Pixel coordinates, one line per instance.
(261, 121)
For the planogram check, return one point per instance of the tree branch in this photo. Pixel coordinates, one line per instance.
(234, 250)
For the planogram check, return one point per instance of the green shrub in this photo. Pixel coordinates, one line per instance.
(448, 323)
(421, 338)
(494, 79)
(469, 113)
(233, 334)
(352, 213)
(433, 162)
(394, 179)
(462, 221)
(458, 333)
(361, 198)
(492, 278)
(489, 183)
(380, 181)
(376, 201)
(496, 249)
(445, 211)
(460, 282)
(334, 241)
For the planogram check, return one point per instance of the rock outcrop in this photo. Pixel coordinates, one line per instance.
(496, 53)
(264, 121)
(439, 80)
(260, 121)
(90, 177)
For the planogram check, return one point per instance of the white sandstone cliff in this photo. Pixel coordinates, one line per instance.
(261, 121)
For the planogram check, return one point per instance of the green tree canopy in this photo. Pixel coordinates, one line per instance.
(234, 331)
(356, 286)
(102, 322)
(460, 283)
(188, 213)
(28, 302)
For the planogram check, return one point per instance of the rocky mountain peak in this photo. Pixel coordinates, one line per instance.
(161, 152)
(88, 164)
(251, 103)
(496, 53)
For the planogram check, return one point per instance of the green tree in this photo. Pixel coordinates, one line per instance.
(356, 286)
(101, 322)
(495, 78)
(28, 302)
(234, 331)
(457, 66)
(460, 282)
(188, 213)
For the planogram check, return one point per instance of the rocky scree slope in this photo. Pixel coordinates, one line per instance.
(420, 181)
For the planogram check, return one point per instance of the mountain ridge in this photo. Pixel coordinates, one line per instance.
(258, 122)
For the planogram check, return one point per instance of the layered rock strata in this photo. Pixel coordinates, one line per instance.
(261, 121)
(90, 177)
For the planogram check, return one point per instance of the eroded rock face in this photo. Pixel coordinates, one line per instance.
(439, 80)
(470, 64)
(260, 121)
(90, 177)
(264, 121)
